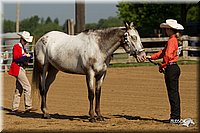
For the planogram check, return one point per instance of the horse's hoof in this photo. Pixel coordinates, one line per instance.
(46, 116)
(100, 118)
(92, 120)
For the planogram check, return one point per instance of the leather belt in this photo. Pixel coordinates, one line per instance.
(172, 63)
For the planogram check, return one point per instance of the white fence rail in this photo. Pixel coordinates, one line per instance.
(120, 56)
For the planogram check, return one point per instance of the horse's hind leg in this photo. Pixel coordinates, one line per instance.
(49, 79)
(99, 81)
(90, 85)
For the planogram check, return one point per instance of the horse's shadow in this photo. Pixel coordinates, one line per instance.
(140, 118)
(84, 118)
(40, 115)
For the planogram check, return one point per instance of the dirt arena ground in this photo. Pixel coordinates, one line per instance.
(133, 99)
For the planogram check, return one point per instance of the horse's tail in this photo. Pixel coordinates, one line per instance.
(39, 69)
(35, 74)
(36, 80)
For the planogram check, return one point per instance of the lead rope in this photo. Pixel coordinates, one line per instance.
(158, 64)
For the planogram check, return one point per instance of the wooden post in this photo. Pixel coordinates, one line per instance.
(185, 47)
(68, 27)
(17, 17)
(80, 15)
(72, 27)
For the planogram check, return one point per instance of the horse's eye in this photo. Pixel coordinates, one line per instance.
(134, 38)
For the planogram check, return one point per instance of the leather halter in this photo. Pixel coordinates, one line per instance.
(133, 50)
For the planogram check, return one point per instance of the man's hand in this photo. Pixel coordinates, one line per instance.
(27, 55)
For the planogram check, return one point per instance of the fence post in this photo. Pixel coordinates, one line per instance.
(72, 27)
(185, 47)
(68, 27)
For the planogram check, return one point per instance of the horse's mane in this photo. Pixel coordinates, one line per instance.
(106, 35)
(103, 30)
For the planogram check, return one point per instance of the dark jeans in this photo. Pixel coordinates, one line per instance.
(172, 83)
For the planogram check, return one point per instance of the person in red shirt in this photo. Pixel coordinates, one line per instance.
(17, 69)
(170, 67)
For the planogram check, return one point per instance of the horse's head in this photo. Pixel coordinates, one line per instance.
(132, 43)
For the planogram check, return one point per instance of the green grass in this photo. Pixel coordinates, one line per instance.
(134, 64)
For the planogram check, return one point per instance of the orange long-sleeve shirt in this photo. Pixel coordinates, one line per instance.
(169, 53)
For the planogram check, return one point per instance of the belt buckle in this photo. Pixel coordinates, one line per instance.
(172, 63)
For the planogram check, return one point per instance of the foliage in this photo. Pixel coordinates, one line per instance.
(148, 14)
(48, 20)
(56, 21)
(147, 17)
(91, 26)
(193, 14)
(37, 26)
(44, 28)
(110, 22)
(29, 24)
(105, 23)
(9, 26)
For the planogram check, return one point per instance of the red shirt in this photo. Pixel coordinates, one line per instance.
(17, 53)
(169, 53)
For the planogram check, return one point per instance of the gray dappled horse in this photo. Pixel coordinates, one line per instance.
(88, 53)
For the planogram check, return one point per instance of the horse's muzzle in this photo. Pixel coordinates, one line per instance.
(141, 57)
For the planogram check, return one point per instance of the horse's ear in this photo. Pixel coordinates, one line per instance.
(126, 25)
(131, 25)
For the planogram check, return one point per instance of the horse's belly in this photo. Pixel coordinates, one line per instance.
(68, 66)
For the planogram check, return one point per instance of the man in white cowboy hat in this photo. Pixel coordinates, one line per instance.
(169, 65)
(17, 69)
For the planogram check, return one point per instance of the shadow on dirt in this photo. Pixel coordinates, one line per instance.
(84, 118)
(140, 118)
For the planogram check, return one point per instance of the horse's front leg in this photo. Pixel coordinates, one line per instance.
(99, 81)
(90, 85)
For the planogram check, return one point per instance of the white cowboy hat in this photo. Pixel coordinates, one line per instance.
(171, 23)
(26, 36)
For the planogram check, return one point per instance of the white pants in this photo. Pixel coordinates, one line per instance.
(22, 84)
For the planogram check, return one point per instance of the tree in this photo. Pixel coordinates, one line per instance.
(105, 23)
(29, 24)
(48, 20)
(148, 17)
(44, 28)
(110, 22)
(56, 21)
(8, 26)
(34, 24)
(193, 14)
(91, 26)
(42, 21)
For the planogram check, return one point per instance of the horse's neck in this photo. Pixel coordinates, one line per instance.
(109, 41)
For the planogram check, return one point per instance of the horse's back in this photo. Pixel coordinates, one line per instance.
(46, 41)
(68, 53)
(61, 50)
